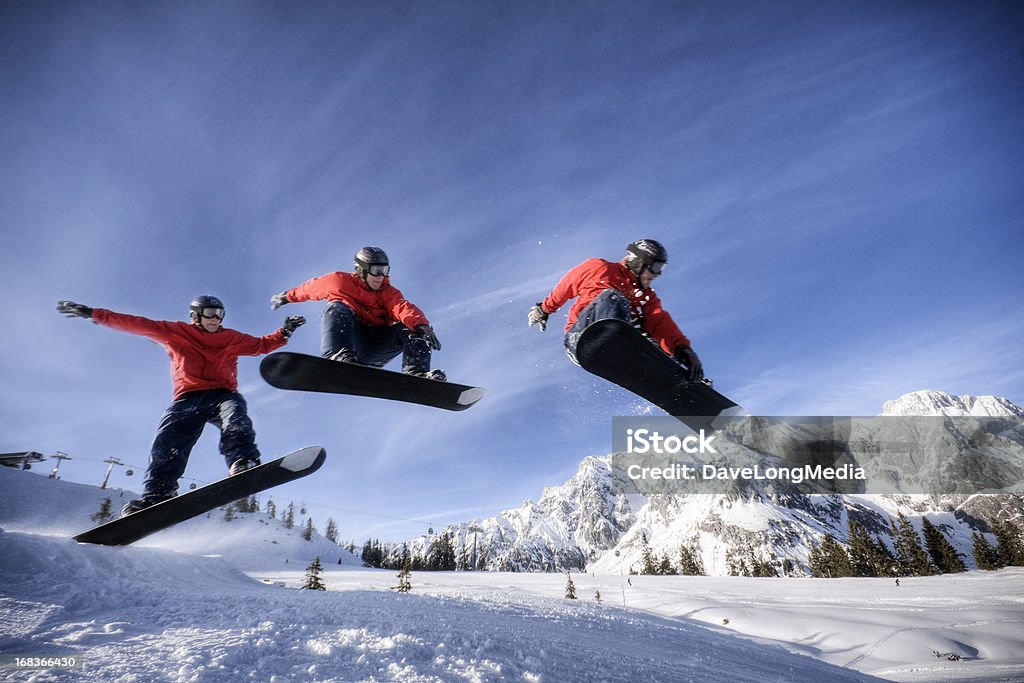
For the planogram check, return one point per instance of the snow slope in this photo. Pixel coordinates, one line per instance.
(129, 612)
(152, 612)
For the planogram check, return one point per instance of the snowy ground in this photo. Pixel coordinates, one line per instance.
(163, 611)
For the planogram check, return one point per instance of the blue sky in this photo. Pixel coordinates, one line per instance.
(839, 186)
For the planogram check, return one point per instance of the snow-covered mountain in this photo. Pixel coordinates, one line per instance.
(587, 522)
(941, 403)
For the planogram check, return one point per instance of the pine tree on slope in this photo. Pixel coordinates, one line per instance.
(910, 555)
(313, 581)
(942, 552)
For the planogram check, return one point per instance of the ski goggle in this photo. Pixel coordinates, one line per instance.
(378, 269)
(656, 267)
(212, 312)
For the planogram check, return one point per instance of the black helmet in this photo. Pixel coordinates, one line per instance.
(367, 257)
(206, 306)
(646, 254)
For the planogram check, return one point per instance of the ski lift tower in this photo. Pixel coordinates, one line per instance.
(112, 462)
(60, 457)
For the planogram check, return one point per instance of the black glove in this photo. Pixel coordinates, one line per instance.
(538, 316)
(426, 333)
(684, 355)
(278, 300)
(292, 323)
(73, 310)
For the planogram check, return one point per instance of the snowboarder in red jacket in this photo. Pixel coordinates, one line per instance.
(622, 290)
(367, 320)
(204, 371)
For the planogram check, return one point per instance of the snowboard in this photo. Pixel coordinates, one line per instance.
(618, 352)
(301, 372)
(131, 528)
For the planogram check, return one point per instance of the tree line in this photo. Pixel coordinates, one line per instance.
(442, 553)
(864, 555)
(912, 555)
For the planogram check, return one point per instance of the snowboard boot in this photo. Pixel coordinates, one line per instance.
(147, 500)
(436, 375)
(344, 355)
(243, 464)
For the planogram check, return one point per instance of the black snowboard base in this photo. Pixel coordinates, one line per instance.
(618, 352)
(302, 372)
(175, 510)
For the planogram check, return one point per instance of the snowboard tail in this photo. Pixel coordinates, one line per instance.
(302, 372)
(131, 528)
(616, 351)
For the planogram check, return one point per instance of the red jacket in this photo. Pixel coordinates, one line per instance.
(199, 359)
(594, 276)
(385, 306)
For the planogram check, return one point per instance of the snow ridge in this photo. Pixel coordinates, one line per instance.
(932, 403)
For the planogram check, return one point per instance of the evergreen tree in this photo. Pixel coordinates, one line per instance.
(570, 588)
(418, 562)
(861, 550)
(271, 509)
(373, 554)
(868, 555)
(229, 512)
(441, 555)
(289, 516)
(405, 578)
(313, 581)
(884, 560)
(331, 534)
(747, 564)
(405, 557)
(482, 559)
(737, 565)
(690, 563)
(649, 564)
(104, 514)
(1008, 543)
(829, 559)
(665, 567)
(942, 552)
(307, 530)
(911, 557)
(463, 562)
(762, 567)
(985, 555)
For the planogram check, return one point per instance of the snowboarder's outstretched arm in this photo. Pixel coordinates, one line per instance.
(159, 331)
(168, 332)
(567, 288)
